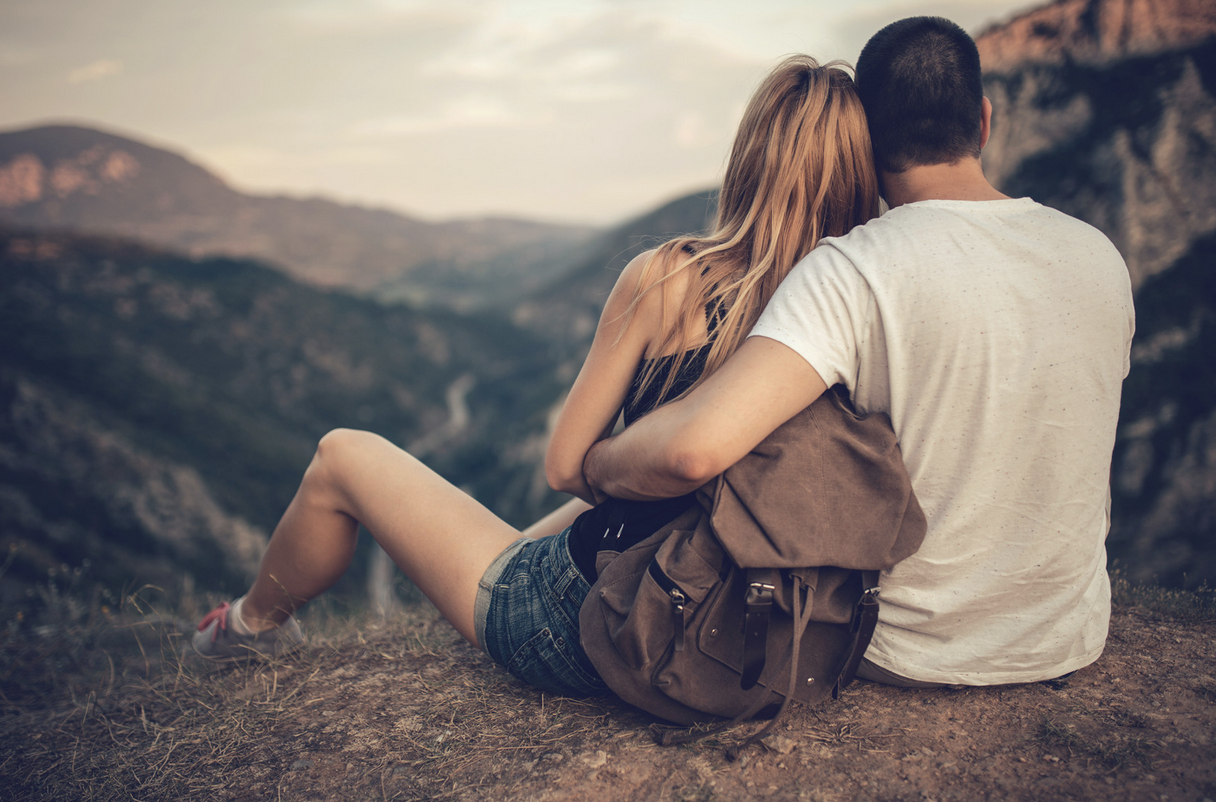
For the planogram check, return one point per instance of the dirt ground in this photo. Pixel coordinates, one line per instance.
(409, 712)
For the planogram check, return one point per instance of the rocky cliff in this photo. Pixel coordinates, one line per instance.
(1106, 109)
(1095, 31)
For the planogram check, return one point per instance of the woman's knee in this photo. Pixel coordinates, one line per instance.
(338, 443)
(338, 452)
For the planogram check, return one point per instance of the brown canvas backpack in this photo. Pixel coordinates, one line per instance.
(780, 557)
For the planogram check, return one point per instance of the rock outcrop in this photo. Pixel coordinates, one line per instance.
(1096, 31)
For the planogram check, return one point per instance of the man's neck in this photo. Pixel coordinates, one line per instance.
(964, 180)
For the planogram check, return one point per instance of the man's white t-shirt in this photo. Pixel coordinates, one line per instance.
(996, 334)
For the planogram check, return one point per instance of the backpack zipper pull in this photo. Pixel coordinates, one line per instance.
(678, 600)
(677, 617)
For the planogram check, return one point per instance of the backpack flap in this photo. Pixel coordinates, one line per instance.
(828, 487)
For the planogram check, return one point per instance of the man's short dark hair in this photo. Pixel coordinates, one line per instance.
(919, 80)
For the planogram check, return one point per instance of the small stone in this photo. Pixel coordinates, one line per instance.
(597, 760)
(301, 764)
(781, 744)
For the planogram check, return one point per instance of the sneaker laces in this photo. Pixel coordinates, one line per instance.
(220, 615)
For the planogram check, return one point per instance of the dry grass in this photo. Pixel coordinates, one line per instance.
(1111, 748)
(105, 703)
(101, 705)
(1183, 605)
(106, 707)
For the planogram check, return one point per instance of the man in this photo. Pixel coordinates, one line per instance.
(995, 332)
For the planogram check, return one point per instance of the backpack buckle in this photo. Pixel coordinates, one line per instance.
(757, 608)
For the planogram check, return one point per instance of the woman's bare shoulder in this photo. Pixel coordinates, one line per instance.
(657, 278)
(656, 272)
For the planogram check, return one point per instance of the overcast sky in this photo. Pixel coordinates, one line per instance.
(565, 110)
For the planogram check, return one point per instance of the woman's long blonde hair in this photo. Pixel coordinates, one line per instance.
(801, 169)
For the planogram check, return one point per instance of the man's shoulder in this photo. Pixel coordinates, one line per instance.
(926, 227)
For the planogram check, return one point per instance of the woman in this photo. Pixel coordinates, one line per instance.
(800, 169)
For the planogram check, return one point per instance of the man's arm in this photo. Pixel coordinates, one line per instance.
(680, 446)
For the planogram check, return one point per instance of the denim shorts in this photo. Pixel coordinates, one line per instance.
(532, 594)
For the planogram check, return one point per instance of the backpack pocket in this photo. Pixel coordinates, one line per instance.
(645, 610)
(825, 644)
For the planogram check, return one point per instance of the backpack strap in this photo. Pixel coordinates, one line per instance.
(757, 611)
(802, 617)
(865, 618)
(760, 593)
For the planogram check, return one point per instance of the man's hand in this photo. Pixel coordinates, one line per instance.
(682, 445)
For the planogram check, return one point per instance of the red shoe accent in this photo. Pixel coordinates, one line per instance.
(218, 614)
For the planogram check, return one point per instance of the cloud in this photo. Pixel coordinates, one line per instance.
(849, 27)
(690, 130)
(96, 71)
(585, 114)
(458, 113)
(377, 16)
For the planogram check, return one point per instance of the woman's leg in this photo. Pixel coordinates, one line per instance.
(439, 536)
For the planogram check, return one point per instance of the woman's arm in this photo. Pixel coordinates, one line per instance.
(681, 445)
(595, 399)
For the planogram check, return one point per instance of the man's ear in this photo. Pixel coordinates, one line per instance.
(985, 122)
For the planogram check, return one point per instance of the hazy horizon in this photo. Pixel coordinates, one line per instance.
(585, 111)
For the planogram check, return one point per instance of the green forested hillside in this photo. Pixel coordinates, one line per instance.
(166, 407)
(157, 411)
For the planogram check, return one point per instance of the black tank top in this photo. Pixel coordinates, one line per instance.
(618, 524)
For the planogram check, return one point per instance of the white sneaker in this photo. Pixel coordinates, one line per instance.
(215, 640)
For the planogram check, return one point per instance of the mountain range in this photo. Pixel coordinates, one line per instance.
(159, 399)
(69, 177)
